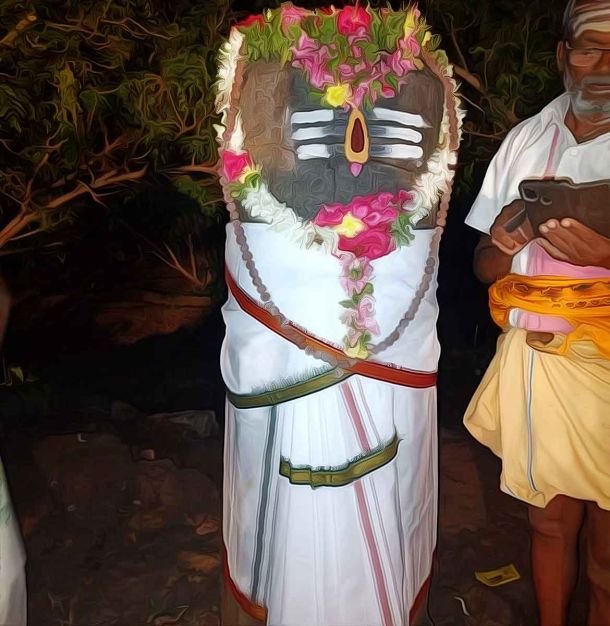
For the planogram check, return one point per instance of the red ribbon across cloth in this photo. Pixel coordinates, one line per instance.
(370, 369)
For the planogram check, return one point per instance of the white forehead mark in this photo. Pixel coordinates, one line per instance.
(397, 151)
(312, 117)
(316, 132)
(400, 117)
(313, 151)
(392, 132)
(389, 132)
(591, 19)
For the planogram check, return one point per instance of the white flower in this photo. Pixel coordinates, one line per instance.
(235, 142)
(228, 57)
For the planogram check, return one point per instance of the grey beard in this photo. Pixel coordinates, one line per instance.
(584, 106)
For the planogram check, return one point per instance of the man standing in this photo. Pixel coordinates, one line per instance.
(544, 404)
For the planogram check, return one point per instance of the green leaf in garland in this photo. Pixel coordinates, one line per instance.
(401, 230)
(367, 290)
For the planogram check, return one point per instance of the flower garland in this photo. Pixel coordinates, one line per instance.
(384, 46)
(350, 56)
(357, 233)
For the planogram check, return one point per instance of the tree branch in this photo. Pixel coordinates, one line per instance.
(9, 39)
(27, 216)
(192, 169)
(471, 79)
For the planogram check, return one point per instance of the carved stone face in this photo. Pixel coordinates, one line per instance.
(313, 155)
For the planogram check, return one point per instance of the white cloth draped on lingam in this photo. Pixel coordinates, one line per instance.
(12, 563)
(355, 548)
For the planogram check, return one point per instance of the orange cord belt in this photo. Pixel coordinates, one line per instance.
(370, 369)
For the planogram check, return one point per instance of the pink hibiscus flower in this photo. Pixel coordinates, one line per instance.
(233, 164)
(377, 212)
(353, 21)
(371, 244)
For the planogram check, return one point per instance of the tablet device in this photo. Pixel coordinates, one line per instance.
(554, 198)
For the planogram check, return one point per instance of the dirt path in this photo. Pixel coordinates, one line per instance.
(118, 536)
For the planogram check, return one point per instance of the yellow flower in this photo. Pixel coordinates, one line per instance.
(337, 95)
(248, 171)
(410, 23)
(350, 226)
(357, 352)
(426, 39)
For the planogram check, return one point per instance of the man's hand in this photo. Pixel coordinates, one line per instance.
(512, 230)
(571, 241)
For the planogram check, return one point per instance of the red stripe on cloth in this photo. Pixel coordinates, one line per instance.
(369, 535)
(368, 410)
(253, 610)
(352, 409)
(370, 369)
(549, 164)
(420, 599)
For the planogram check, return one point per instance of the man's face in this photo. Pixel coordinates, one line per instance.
(585, 60)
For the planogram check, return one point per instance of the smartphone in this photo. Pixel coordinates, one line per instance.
(557, 198)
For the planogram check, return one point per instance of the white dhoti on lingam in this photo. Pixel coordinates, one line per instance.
(329, 499)
(330, 356)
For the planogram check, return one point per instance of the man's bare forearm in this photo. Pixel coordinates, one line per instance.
(490, 263)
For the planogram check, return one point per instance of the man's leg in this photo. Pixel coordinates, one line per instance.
(598, 564)
(555, 532)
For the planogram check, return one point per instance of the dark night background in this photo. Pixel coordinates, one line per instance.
(106, 331)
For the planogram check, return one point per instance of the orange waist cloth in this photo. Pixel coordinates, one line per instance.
(583, 303)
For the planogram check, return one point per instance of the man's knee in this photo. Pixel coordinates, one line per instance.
(557, 521)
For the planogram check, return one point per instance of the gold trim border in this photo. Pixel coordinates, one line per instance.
(341, 476)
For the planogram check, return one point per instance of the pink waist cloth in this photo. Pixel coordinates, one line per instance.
(540, 263)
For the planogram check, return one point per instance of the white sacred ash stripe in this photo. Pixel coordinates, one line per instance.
(393, 132)
(313, 151)
(312, 117)
(390, 132)
(400, 117)
(397, 151)
(316, 132)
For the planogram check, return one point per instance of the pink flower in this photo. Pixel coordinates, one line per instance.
(234, 164)
(411, 45)
(377, 212)
(356, 273)
(313, 58)
(292, 15)
(365, 315)
(361, 319)
(353, 21)
(396, 64)
(371, 244)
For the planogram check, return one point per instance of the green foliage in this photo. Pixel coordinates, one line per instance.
(401, 230)
(99, 98)
(504, 56)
